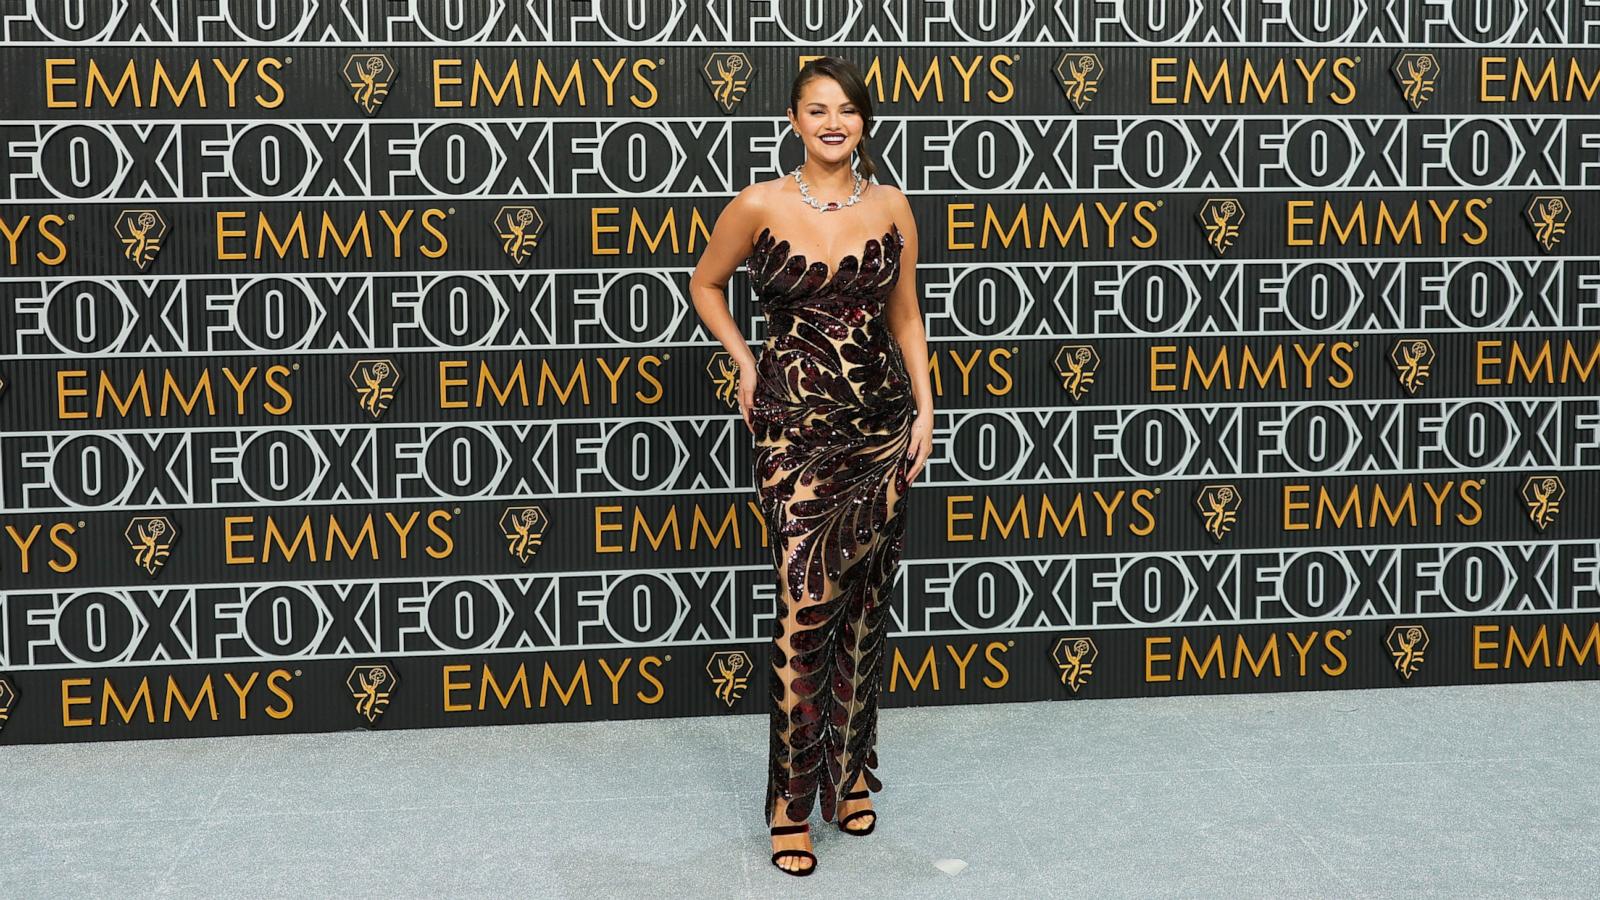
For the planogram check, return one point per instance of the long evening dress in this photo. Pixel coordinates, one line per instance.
(832, 417)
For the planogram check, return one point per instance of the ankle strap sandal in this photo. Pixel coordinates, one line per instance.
(858, 795)
(802, 854)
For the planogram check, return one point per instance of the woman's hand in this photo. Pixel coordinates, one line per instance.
(747, 392)
(921, 444)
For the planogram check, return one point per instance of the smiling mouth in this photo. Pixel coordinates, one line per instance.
(833, 139)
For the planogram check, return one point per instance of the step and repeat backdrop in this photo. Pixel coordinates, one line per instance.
(349, 376)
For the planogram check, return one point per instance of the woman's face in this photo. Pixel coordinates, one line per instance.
(828, 123)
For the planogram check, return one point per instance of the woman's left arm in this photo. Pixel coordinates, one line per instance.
(904, 313)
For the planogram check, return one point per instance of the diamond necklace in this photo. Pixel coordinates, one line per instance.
(805, 192)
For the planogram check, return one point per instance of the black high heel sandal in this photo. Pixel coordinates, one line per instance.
(858, 795)
(803, 854)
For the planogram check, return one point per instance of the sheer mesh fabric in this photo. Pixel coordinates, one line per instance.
(832, 415)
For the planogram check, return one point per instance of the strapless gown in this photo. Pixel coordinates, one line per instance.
(832, 417)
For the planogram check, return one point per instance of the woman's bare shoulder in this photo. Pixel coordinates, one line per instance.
(757, 201)
(893, 202)
(757, 195)
(764, 191)
(892, 197)
(745, 213)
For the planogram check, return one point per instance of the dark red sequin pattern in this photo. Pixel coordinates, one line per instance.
(832, 415)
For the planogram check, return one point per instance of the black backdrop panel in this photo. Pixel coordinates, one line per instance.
(349, 376)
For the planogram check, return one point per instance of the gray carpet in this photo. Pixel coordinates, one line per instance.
(1459, 792)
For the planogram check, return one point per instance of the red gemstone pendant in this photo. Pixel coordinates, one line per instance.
(833, 205)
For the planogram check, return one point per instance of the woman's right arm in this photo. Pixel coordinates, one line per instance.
(729, 245)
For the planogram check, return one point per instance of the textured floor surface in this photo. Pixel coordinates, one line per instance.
(1458, 792)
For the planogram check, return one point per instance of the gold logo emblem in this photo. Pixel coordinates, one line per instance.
(375, 381)
(1076, 364)
(141, 232)
(371, 686)
(151, 538)
(524, 528)
(369, 76)
(729, 75)
(1075, 656)
(1219, 507)
(518, 227)
(724, 374)
(1221, 218)
(1413, 362)
(1417, 74)
(1406, 643)
(8, 699)
(1543, 494)
(1548, 214)
(730, 674)
(1080, 75)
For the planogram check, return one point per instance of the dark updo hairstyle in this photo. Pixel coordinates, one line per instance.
(855, 87)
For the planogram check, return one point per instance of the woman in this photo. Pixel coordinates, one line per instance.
(843, 423)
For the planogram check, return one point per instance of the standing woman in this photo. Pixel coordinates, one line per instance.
(843, 423)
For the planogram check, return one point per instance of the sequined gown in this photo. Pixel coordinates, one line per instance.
(832, 418)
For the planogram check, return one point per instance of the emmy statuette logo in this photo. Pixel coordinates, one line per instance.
(724, 374)
(8, 699)
(141, 232)
(1406, 644)
(151, 539)
(370, 687)
(730, 674)
(1074, 657)
(1220, 218)
(369, 76)
(375, 381)
(1076, 364)
(1413, 362)
(728, 73)
(524, 528)
(1543, 495)
(1079, 74)
(1417, 74)
(1219, 508)
(518, 228)
(1548, 216)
